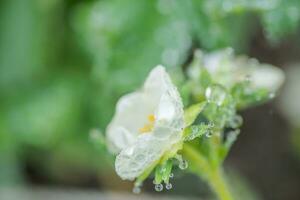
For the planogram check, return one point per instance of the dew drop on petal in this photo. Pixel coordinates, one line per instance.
(171, 175)
(158, 187)
(183, 164)
(169, 186)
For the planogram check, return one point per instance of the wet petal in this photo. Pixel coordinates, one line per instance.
(134, 160)
(267, 77)
(131, 114)
(169, 111)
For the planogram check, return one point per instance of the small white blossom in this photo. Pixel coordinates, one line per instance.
(229, 69)
(146, 125)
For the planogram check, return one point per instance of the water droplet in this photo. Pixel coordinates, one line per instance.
(183, 164)
(171, 175)
(158, 187)
(196, 131)
(208, 134)
(169, 186)
(215, 94)
(136, 190)
(211, 124)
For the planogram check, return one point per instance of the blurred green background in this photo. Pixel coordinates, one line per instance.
(64, 64)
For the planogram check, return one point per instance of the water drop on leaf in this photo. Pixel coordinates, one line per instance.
(183, 164)
(208, 134)
(211, 125)
(171, 175)
(215, 94)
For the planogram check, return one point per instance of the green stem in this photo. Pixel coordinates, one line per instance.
(219, 185)
(214, 176)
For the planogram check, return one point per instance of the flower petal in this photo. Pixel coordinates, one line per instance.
(267, 77)
(131, 114)
(169, 111)
(133, 161)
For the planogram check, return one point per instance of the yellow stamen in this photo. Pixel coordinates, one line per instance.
(148, 126)
(151, 118)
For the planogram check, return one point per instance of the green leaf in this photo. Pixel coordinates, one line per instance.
(158, 175)
(195, 131)
(191, 113)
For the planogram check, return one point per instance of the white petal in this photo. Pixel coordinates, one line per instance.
(219, 61)
(119, 138)
(169, 111)
(131, 114)
(268, 77)
(156, 80)
(133, 161)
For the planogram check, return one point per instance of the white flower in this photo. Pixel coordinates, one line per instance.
(229, 69)
(146, 125)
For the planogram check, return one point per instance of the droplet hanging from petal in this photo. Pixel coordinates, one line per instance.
(158, 187)
(183, 164)
(136, 189)
(169, 186)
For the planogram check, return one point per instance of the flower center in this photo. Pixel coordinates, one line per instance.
(149, 125)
